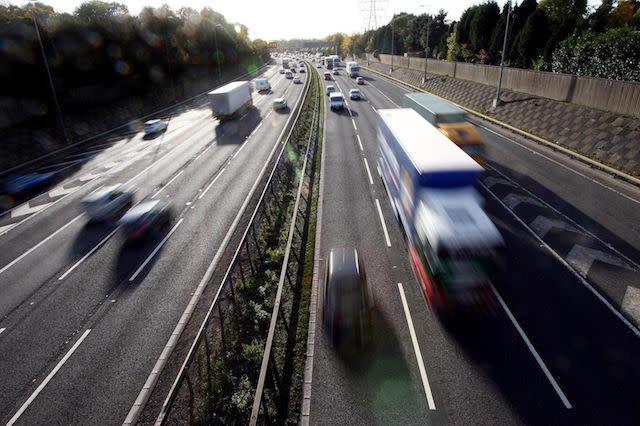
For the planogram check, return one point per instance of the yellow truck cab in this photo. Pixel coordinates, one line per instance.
(451, 120)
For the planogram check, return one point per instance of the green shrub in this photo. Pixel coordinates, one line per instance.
(614, 54)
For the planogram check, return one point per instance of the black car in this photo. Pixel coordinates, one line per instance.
(348, 301)
(149, 218)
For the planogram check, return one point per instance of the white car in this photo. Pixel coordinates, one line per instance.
(288, 74)
(354, 94)
(281, 71)
(296, 80)
(107, 203)
(330, 90)
(154, 126)
(280, 103)
(302, 69)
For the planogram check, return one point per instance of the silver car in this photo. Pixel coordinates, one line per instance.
(106, 203)
(148, 218)
(154, 126)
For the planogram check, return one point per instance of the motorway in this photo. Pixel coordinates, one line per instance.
(84, 318)
(563, 347)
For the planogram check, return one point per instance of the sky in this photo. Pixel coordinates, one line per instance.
(276, 19)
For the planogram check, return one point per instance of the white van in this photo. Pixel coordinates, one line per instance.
(262, 84)
(336, 100)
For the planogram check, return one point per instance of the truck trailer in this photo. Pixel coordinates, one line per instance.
(451, 120)
(353, 70)
(454, 248)
(230, 100)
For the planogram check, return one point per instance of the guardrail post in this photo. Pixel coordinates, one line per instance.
(208, 387)
(224, 346)
(191, 400)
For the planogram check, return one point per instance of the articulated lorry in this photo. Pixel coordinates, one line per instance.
(451, 120)
(230, 100)
(454, 248)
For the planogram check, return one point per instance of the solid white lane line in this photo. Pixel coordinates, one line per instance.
(366, 165)
(152, 379)
(153, 253)
(26, 253)
(560, 164)
(46, 381)
(168, 183)
(373, 108)
(104, 240)
(2, 330)
(576, 224)
(354, 124)
(384, 226)
(211, 184)
(535, 354)
(579, 277)
(416, 348)
(359, 142)
(383, 94)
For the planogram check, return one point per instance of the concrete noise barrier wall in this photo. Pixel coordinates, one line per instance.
(621, 97)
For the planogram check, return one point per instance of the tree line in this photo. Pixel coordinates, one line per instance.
(101, 45)
(546, 35)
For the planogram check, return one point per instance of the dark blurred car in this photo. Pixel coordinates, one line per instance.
(347, 310)
(107, 203)
(18, 184)
(148, 218)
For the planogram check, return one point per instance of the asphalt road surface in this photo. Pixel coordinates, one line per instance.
(84, 317)
(563, 347)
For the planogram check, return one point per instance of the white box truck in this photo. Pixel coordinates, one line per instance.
(353, 70)
(230, 100)
(454, 248)
(262, 84)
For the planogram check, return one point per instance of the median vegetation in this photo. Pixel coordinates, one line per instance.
(223, 378)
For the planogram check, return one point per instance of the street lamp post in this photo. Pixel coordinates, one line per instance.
(497, 101)
(53, 90)
(392, 50)
(426, 50)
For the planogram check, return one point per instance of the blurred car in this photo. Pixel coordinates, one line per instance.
(106, 203)
(293, 69)
(281, 71)
(288, 75)
(279, 103)
(359, 80)
(297, 80)
(330, 89)
(302, 69)
(354, 94)
(327, 75)
(148, 218)
(336, 72)
(154, 126)
(347, 309)
(319, 65)
(15, 185)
